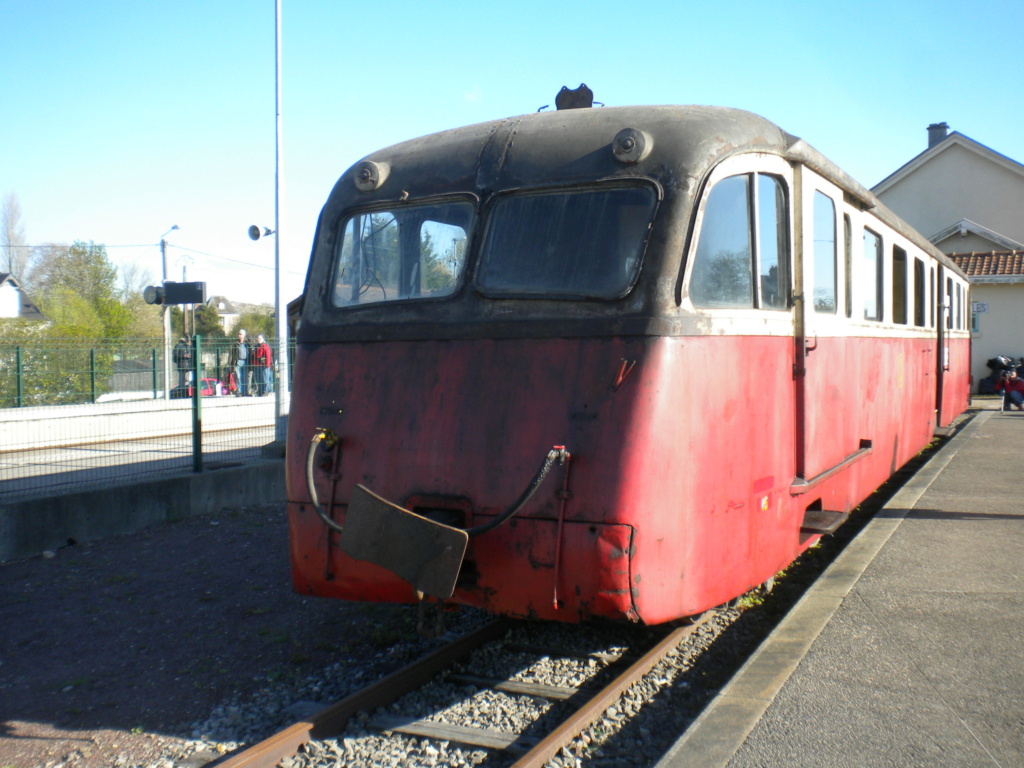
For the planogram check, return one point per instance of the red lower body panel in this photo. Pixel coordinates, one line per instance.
(681, 492)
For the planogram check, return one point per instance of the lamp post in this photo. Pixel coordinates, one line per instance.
(166, 318)
(280, 307)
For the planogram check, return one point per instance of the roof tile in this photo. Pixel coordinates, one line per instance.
(990, 263)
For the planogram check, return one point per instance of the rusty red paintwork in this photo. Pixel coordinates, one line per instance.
(697, 531)
(696, 453)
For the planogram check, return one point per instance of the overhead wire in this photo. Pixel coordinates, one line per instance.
(179, 247)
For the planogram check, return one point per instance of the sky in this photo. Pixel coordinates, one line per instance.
(120, 119)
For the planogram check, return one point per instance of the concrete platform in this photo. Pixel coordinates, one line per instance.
(909, 650)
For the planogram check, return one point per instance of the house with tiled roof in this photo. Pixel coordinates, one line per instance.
(992, 267)
(226, 312)
(968, 200)
(14, 302)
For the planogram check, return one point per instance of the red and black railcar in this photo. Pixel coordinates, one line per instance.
(618, 362)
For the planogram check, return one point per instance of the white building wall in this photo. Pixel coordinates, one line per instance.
(10, 300)
(1000, 330)
(956, 184)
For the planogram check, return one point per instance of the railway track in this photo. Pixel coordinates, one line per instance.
(324, 738)
(489, 663)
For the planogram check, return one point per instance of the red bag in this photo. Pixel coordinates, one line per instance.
(232, 384)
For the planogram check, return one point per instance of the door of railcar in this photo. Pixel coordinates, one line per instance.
(942, 359)
(953, 301)
(826, 361)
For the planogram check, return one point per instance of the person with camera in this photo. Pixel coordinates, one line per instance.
(1011, 387)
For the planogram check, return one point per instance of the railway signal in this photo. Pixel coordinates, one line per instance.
(175, 293)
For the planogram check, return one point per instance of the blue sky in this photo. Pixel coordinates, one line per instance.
(120, 118)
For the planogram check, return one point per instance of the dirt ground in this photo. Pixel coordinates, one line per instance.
(110, 650)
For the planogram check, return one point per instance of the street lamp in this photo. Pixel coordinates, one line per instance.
(280, 308)
(166, 317)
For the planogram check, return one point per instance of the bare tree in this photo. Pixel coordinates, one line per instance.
(14, 253)
(134, 279)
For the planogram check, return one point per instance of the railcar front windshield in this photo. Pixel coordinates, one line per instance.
(409, 252)
(575, 244)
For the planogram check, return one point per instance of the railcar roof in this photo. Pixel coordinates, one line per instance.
(559, 147)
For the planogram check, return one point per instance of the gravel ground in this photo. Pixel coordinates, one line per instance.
(169, 646)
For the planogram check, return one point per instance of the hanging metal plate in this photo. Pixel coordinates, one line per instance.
(426, 554)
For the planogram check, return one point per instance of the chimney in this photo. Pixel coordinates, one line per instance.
(936, 133)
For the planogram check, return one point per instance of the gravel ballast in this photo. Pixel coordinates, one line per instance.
(169, 647)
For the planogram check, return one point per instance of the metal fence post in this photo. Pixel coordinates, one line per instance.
(197, 404)
(19, 379)
(153, 358)
(92, 374)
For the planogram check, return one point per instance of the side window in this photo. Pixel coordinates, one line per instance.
(772, 243)
(848, 263)
(872, 275)
(743, 235)
(722, 268)
(824, 254)
(899, 285)
(919, 298)
(949, 302)
(932, 297)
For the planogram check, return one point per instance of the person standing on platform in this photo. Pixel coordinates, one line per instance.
(239, 359)
(263, 367)
(183, 360)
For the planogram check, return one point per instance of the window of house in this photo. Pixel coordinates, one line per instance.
(743, 234)
(824, 254)
(872, 275)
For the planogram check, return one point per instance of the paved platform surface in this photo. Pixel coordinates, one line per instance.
(909, 650)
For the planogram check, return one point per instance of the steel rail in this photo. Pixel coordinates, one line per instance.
(332, 719)
(549, 746)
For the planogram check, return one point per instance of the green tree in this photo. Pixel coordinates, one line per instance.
(72, 314)
(146, 319)
(208, 323)
(67, 279)
(83, 268)
(255, 323)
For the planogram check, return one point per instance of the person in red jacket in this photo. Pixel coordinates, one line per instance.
(263, 367)
(1011, 388)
